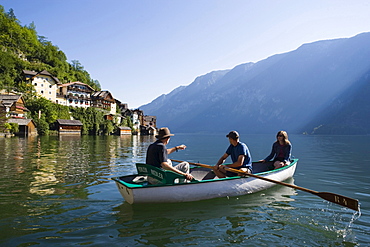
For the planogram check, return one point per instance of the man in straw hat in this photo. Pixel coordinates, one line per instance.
(240, 156)
(157, 155)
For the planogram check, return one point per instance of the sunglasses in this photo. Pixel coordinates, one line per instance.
(280, 135)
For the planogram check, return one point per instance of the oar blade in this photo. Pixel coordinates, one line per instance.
(339, 199)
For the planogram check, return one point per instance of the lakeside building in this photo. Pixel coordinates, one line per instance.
(69, 127)
(27, 127)
(75, 94)
(46, 85)
(137, 119)
(78, 94)
(149, 125)
(150, 121)
(123, 131)
(13, 106)
(104, 100)
(121, 106)
(13, 110)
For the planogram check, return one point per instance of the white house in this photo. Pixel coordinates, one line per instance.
(45, 84)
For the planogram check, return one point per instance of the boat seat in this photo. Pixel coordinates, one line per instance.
(262, 167)
(163, 176)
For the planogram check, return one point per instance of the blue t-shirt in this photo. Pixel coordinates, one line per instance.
(240, 149)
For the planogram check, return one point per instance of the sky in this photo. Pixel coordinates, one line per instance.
(141, 49)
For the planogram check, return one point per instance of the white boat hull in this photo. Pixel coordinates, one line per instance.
(202, 190)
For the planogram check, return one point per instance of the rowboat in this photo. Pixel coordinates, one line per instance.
(171, 187)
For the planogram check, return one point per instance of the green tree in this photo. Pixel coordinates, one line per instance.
(42, 126)
(107, 127)
(62, 111)
(92, 119)
(12, 127)
(45, 113)
(44, 107)
(21, 48)
(11, 15)
(127, 122)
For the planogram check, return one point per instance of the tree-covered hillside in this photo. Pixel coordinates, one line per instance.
(22, 49)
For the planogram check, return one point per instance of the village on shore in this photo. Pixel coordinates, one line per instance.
(76, 94)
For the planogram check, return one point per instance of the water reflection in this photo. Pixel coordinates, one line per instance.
(160, 224)
(59, 165)
(251, 220)
(57, 190)
(277, 196)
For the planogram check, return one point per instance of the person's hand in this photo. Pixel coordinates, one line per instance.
(189, 176)
(216, 167)
(263, 161)
(181, 147)
(222, 168)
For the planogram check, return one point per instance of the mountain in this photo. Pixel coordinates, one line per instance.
(349, 113)
(305, 90)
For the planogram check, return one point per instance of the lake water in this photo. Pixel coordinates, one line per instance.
(57, 191)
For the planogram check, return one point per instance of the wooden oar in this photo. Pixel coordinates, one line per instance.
(331, 197)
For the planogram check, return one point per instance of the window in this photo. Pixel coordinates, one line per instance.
(42, 92)
(35, 84)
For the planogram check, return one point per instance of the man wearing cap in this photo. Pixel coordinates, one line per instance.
(240, 157)
(157, 154)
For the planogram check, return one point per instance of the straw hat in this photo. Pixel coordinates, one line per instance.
(163, 133)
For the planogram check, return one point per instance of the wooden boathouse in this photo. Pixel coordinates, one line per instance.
(125, 131)
(69, 127)
(27, 127)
